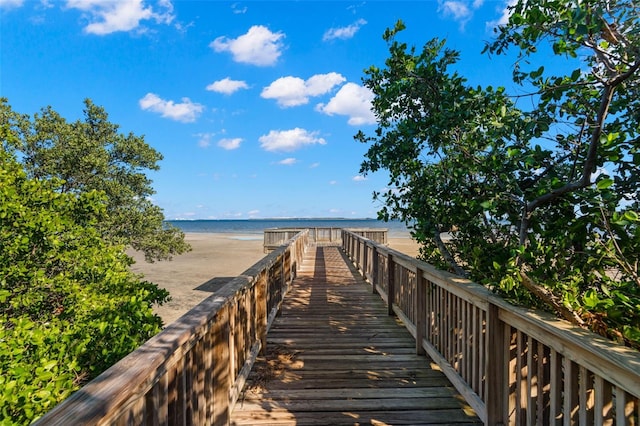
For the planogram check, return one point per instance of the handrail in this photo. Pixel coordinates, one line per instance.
(193, 371)
(513, 365)
(274, 237)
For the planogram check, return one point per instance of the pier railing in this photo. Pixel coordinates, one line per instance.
(274, 237)
(193, 371)
(514, 366)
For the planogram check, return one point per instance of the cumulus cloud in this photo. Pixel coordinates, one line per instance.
(227, 86)
(230, 144)
(289, 140)
(288, 161)
(460, 11)
(353, 101)
(185, 111)
(107, 17)
(204, 139)
(259, 46)
(359, 178)
(343, 32)
(505, 13)
(235, 7)
(10, 4)
(293, 91)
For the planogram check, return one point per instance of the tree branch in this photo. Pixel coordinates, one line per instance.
(457, 269)
(551, 299)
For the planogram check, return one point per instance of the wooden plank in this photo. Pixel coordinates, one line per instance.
(407, 417)
(334, 357)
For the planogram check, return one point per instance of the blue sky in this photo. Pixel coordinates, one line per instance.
(253, 104)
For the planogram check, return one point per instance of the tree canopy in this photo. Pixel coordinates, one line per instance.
(73, 198)
(540, 202)
(91, 154)
(69, 305)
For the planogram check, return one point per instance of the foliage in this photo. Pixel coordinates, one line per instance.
(90, 155)
(541, 204)
(69, 305)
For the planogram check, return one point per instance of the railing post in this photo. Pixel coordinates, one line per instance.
(495, 365)
(262, 301)
(222, 356)
(374, 273)
(421, 310)
(391, 278)
(365, 259)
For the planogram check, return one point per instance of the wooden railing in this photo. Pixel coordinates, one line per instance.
(274, 237)
(514, 366)
(193, 371)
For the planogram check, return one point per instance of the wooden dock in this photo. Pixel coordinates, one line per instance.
(334, 357)
(332, 354)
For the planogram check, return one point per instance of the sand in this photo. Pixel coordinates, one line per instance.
(214, 261)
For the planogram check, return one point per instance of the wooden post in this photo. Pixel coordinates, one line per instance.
(222, 368)
(365, 259)
(421, 310)
(261, 310)
(375, 274)
(391, 278)
(495, 368)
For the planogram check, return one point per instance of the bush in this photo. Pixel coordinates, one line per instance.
(69, 305)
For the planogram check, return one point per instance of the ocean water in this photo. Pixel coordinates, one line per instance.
(257, 226)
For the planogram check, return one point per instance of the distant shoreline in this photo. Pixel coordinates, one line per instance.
(216, 258)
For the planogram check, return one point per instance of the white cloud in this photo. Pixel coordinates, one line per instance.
(460, 11)
(259, 46)
(351, 100)
(10, 4)
(227, 86)
(505, 13)
(288, 161)
(185, 111)
(230, 144)
(344, 32)
(235, 7)
(289, 140)
(293, 91)
(359, 178)
(204, 139)
(107, 17)
(457, 10)
(314, 165)
(333, 182)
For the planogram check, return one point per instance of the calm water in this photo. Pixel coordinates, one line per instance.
(257, 226)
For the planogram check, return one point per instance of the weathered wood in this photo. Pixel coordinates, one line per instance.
(526, 367)
(333, 351)
(275, 237)
(175, 361)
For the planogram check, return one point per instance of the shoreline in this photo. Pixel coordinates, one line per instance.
(215, 259)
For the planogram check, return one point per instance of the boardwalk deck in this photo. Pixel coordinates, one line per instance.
(335, 357)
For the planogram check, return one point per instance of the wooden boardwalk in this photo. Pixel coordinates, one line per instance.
(334, 356)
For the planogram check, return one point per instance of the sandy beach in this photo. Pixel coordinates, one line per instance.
(214, 260)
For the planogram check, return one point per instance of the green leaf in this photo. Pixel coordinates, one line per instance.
(631, 216)
(604, 183)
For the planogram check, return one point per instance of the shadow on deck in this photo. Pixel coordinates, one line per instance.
(334, 356)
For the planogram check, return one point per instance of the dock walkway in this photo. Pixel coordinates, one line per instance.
(334, 356)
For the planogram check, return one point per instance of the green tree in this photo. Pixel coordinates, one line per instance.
(542, 203)
(69, 305)
(91, 154)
